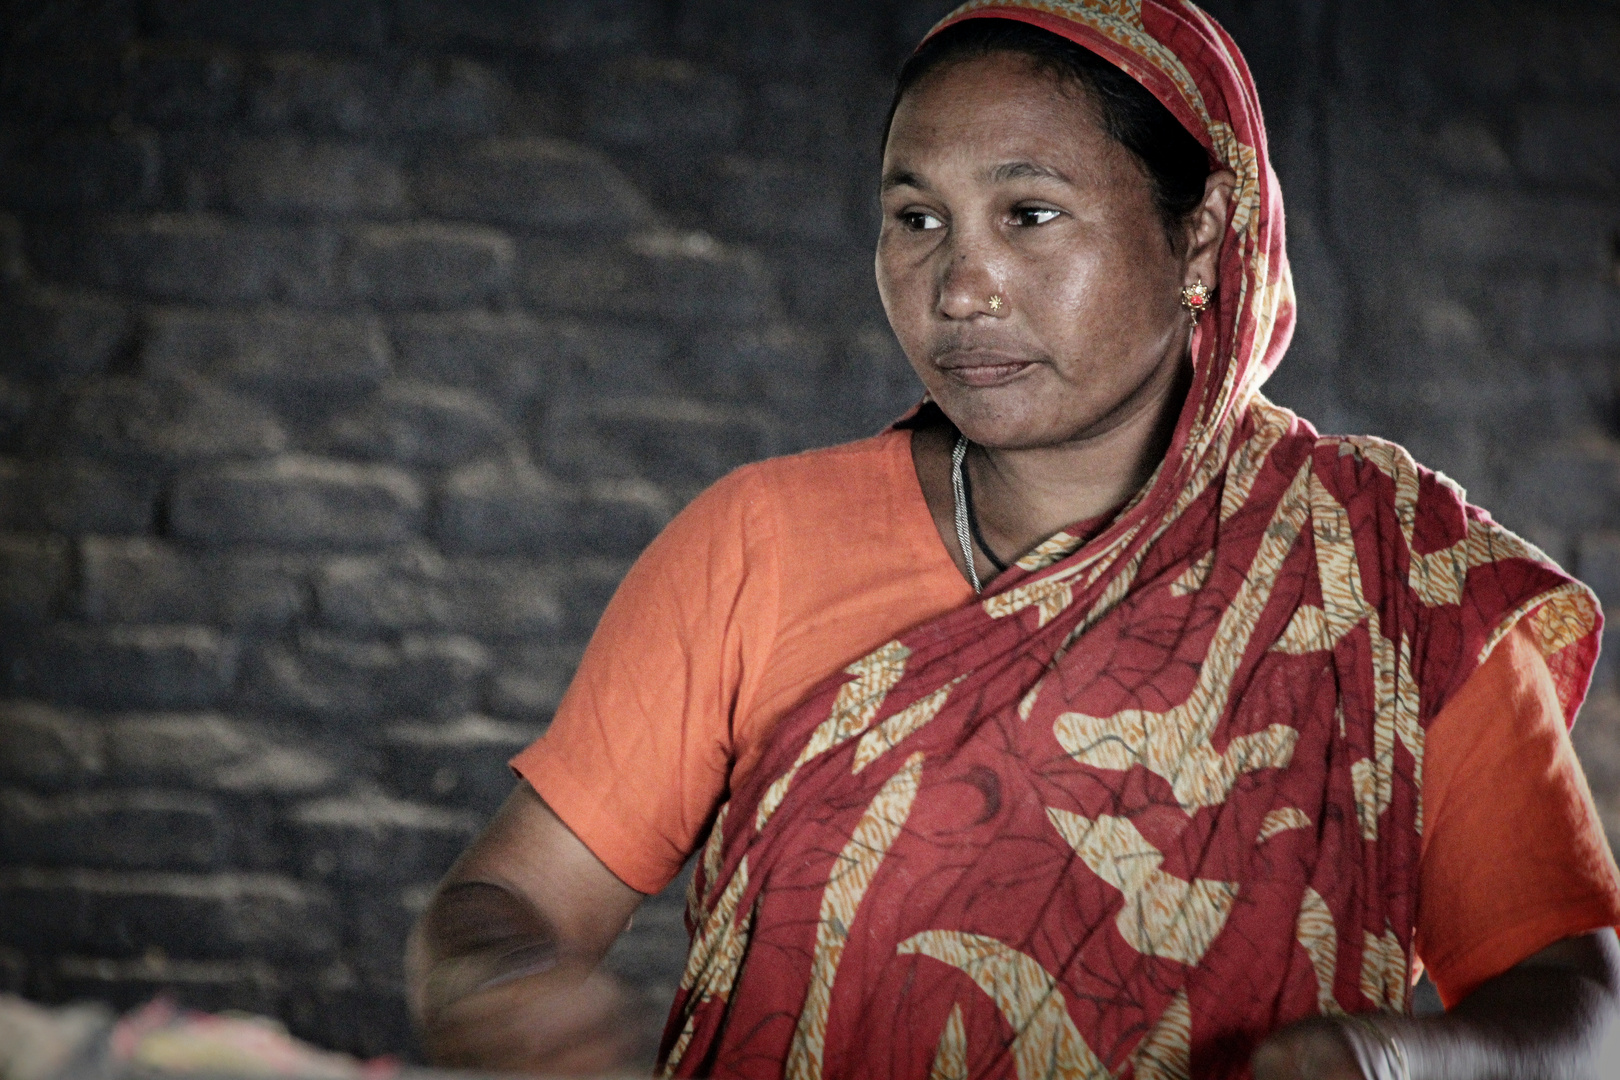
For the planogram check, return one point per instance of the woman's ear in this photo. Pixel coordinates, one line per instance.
(1206, 227)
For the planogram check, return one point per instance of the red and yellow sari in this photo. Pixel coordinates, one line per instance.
(1155, 794)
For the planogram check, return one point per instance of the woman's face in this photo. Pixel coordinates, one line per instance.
(999, 180)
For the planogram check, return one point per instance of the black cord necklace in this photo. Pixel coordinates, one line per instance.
(973, 521)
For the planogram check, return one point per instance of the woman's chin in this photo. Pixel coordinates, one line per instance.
(1014, 433)
(1007, 417)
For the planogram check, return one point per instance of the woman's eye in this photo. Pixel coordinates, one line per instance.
(1034, 215)
(918, 220)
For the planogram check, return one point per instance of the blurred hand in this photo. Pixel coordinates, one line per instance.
(559, 1022)
(1315, 1049)
(501, 967)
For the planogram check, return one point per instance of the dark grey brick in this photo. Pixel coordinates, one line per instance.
(620, 517)
(55, 26)
(772, 199)
(73, 84)
(122, 666)
(1570, 146)
(326, 676)
(380, 920)
(419, 590)
(651, 955)
(1501, 230)
(1468, 150)
(172, 85)
(419, 424)
(13, 263)
(586, 590)
(73, 170)
(539, 183)
(310, 24)
(210, 751)
(14, 980)
(505, 599)
(1494, 51)
(462, 763)
(797, 118)
(204, 915)
(75, 497)
(799, 38)
(502, 355)
(16, 412)
(35, 574)
(403, 591)
(317, 92)
(374, 838)
(685, 277)
(191, 257)
(142, 580)
(296, 502)
(429, 265)
(664, 103)
(45, 748)
(169, 420)
(444, 95)
(511, 358)
(528, 680)
(53, 334)
(1597, 561)
(612, 26)
(112, 830)
(289, 178)
(780, 365)
(266, 347)
(500, 508)
(440, 95)
(830, 285)
(684, 444)
(1560, 311)
(1575, 485)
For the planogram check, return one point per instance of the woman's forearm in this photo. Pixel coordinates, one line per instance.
(1544, 1019)
(475, 935)
(501, 967)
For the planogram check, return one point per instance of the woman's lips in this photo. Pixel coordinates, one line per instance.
(987, 372)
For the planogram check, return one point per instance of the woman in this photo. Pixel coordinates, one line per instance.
(1099, 719)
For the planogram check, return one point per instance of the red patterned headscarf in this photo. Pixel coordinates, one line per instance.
(1155, 794)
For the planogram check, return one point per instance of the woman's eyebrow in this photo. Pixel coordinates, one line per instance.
(903, 178)
(1024, 170)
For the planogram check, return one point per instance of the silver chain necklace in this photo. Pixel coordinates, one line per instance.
(960, 493)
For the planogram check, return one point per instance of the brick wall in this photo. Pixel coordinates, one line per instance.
(350, 349)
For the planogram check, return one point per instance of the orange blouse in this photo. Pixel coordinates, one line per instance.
(792, 568)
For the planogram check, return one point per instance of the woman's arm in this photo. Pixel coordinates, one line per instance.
(502, 965)
(1546, 1018)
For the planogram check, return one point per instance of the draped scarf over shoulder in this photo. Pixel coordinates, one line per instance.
(1155, 794)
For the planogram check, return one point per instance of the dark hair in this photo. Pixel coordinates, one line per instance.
(1175, 163)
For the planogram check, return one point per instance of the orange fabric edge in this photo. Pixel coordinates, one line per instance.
(1482, 962)
(580, 808)
(1456, 976)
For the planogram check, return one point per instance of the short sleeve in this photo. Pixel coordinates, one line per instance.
(638, 756)
(1514, 856)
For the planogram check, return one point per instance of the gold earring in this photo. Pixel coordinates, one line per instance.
(1195, 298)
(996, 302)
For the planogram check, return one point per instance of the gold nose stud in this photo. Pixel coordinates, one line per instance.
(996, 302)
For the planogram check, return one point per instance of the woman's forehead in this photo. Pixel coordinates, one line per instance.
(1011, 117)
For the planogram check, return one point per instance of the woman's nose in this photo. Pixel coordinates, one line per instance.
(969, 286)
